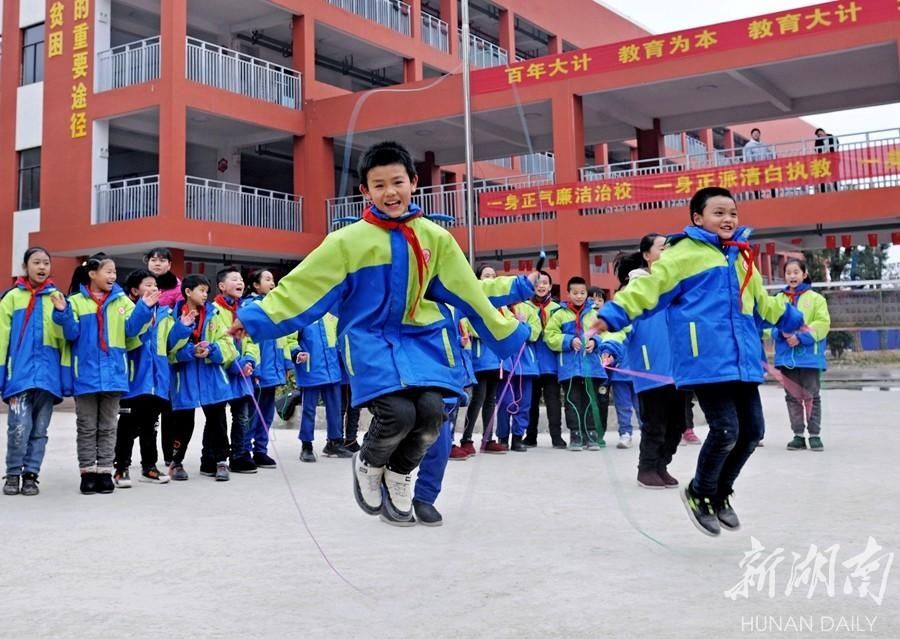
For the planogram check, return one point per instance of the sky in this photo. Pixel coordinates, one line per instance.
(660, 16)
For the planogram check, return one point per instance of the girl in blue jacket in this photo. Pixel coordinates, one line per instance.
(271, 373)
(96, 320)
(33, 353)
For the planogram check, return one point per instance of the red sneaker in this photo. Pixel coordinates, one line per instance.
(458, 453)
(496, 448)
(690, 438)
(469, 448)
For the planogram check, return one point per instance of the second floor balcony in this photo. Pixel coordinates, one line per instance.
(393, 14)
(227, 203)
(132, 63)
(483, 53)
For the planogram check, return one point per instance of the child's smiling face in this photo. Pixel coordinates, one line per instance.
(232, 286)
(197, 296)
(104, 278)
(390, 189)
(719, 216)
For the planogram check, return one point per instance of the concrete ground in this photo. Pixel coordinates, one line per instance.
(542, 544)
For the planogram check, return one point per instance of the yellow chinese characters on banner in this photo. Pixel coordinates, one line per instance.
(80, 35)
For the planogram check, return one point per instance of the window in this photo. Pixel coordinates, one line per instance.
(33, 54)
(29, 179)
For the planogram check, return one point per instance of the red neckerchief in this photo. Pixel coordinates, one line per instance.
(100, 300)
(542, 308)
(198, 326)
(222, 301)
(749, 253)
(577, 310)
(24, 281)
(794, 296)
(413, 240)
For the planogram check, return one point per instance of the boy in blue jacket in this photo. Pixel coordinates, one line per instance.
(714, 296)
(148, 379)
(388, 273)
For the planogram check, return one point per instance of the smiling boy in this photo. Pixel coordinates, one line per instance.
(386, 275)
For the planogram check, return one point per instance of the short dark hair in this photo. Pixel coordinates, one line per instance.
(596, 290)
(193, 281)
(480, 269)
(802, 265)
(255, 277)
(135, 278)
(755, 129)
(32, 250)
(816, 132)
(548, 276)
(577, 279)
(384, 154)
(225, 272)
(701, 197)
(158, 251)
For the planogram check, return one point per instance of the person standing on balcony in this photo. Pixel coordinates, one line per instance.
(387, 273)
(826, 143)
(756, 151)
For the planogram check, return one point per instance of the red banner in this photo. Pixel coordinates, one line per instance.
(726, 36)
(778, 173)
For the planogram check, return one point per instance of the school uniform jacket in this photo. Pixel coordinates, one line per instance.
(33, 352)
(319, 339)
(810, 352)
(713, 330)
(562, 328)
(527, 365)
(388, 286)
(548, 361)
(148, 355)
(248, 353)
(99, 355)
(274, 357)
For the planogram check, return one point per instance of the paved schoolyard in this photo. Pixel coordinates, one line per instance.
(542, 544)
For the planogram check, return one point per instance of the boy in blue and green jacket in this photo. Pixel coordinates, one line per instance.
(713, 294)
(387, 273)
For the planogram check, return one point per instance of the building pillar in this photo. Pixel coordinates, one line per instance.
(314, 179)
(173, 110)
(429, 172)
(507, 26)
(568, 150)
(555, 46)
(650, 142)
(450, 15)
(413, 70)
(303, 42)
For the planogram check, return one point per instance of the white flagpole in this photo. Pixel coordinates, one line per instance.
(467, 122)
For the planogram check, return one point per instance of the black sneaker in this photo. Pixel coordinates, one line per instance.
(560, 444)
(11, 486)
(815, 444)
(243, 465)
(30, 485)
(306, 452)
(177, 471)
(575, 441)
(264, 461)
(427, 514)
(335, 448)
(798, 443)
(352, 445)
(701, 511)
(727, 517)
(530, 442)
(518, 446)
(88, 483)
(105, 483)
(207, 468)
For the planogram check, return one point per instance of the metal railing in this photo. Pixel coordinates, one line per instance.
(237, 72)
(538, 163)
(227, 203)
(393, 14)
(127, 64)
(856, 169)
(443, 199)
(130, 199)
(484, 54)
(435, 33)
(673, 141)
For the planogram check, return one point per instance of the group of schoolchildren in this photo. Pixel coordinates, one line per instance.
(389, 309)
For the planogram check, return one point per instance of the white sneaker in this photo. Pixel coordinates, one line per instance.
(367, 485)
(397, 508)
(624, 441)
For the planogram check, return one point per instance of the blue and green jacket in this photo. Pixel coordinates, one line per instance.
(713, 330)
(391, 329)
(274, 357)
(562, 328)
(810, 353)
(148, 355)
(647, 350)
(194, 382)
(501, 291)
(33, 352)
(319, 339)
(99, 353)
(248, 353)
(527, 365)
(548, 361)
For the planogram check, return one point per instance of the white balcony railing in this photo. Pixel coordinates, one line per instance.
(435, 33)
(444, 199)
(125, 200)
(227, 203)
(132, 63)
(240, 73)
(393, 14)
(484, 54)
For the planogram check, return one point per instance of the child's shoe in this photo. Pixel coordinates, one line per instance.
(594, 441)
(518, 446)
(727, 517)
(668, 480)
(575, 441)
(624, 441)
(798, 443)
(306, 452)
(222, 471)
(815, 443)
(243, 464)
(367, 486)
(262, 460)
(352, 445)
(650, 479)
(88, 483)
(152, 476)
(105, 483)
(335, 448)
(690, 437)
(207, 468)
(11, 486)
(458, 453)
(396, 499)
(427, 514)
(30, 485)
(123, 478)
(468, 447)
(177, 472)
(701, 511)
(495, 448)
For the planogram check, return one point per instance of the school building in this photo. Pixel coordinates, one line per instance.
(229, 130)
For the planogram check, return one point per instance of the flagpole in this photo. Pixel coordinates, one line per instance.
(467, 125)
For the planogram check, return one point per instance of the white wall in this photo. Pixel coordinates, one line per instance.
(30, 12)
(29, 116)
(24, 222)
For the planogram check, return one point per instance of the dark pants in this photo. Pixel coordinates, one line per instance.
(215, 434)
(351, 414)
(484, 399)
(805, 411)
(240, 425)
(689, 411)
(548, 386)
(404, 426)
(580, 405)
(663, 422)
(137, 419)
(167, 429)
(736, 425)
